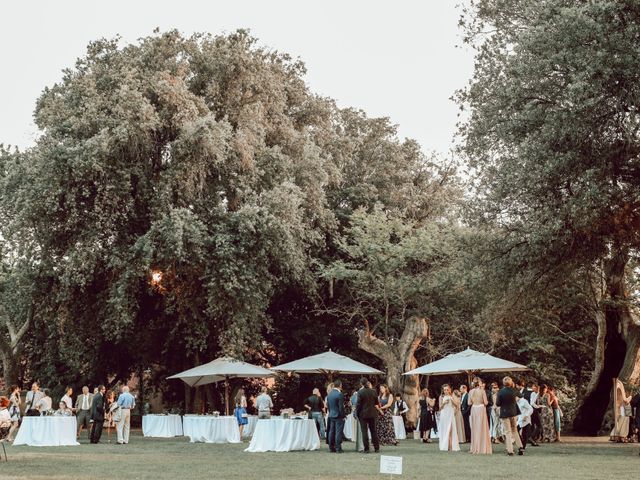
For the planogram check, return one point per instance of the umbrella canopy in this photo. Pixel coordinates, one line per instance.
(467, 361)
(327, 363)
(220, 369)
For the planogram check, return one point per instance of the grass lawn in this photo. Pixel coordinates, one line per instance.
(177, 459)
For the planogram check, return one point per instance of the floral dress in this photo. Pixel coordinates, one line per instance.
(547, 420)
(384, 425)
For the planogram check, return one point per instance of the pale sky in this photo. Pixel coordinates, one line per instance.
(401, 59)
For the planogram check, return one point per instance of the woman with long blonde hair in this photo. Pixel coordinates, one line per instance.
(447, 431)
(240, 410)
(480, 438)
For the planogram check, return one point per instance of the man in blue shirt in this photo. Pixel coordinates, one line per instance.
(126, 402)
(335, 404)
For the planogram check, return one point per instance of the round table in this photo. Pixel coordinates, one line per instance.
(47, 431)
(284, 435)
(164, 426)
(210, 429)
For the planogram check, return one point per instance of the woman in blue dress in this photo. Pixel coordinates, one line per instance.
(240, 411)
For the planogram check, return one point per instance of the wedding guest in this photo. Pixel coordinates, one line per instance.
(536, 421)
(524, 421)
(507, 401)
(495, 429)
(126, 402)
(66, 398)
(264, 404)
(557, 413)
(110, 405)
(97, 413)
(427, 415)
(447, 431)
(5, 416)
(546, 414)
(367, 411)
(240, 411)
(33, 397)
(526, 433)
(400, 408)
(386, 432)
(354, 403)
(83, 410)
(14, 410)
(45, 404)
(314, 406)
(459, 420)
(326, 408)
(480, 439)
(335, 404)
(63, 410)
(465, 410)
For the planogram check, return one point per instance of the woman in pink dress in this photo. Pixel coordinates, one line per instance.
(480, 438)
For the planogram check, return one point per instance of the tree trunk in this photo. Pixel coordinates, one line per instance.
(617, 348)
(400, 358)
(9, 370)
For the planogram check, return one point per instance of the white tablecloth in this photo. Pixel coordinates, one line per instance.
(47, 432)
(210, 429)
(162, 426)
(250, 427)
(280, 435)
(398, 427)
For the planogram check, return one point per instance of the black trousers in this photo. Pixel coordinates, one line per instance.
(467, 426)
(369, 425)
(536, 425)
(524, 435)
(96, 431)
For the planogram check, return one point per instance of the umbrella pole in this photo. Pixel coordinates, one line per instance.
(226, 395)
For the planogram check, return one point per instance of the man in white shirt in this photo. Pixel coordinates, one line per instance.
(83, 410)
(67, 398)
(33, 397)
(536, 421)
(264, 404)
(45, 404)
(524, 421)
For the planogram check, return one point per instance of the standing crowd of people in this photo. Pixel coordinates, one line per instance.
(93, 411)
(514, 414)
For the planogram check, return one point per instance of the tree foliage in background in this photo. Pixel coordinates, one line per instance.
(552, 133)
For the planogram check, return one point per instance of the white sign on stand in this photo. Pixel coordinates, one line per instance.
(390, 465)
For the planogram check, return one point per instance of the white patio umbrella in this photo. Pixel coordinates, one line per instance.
(329, 364)
(222, 368)
(469, 362)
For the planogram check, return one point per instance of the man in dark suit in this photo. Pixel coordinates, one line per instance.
(465, 409)
(97, 414)
(507, 400)
(367, 411)
(335, 404)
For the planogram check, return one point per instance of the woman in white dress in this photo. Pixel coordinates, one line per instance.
(447, 431)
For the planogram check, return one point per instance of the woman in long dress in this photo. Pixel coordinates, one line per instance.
(384, 425)
(447, 431)
(240, 411)
(462, 438)
(480, 439)
(495, 428)
(427, 417)
(546, 415)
